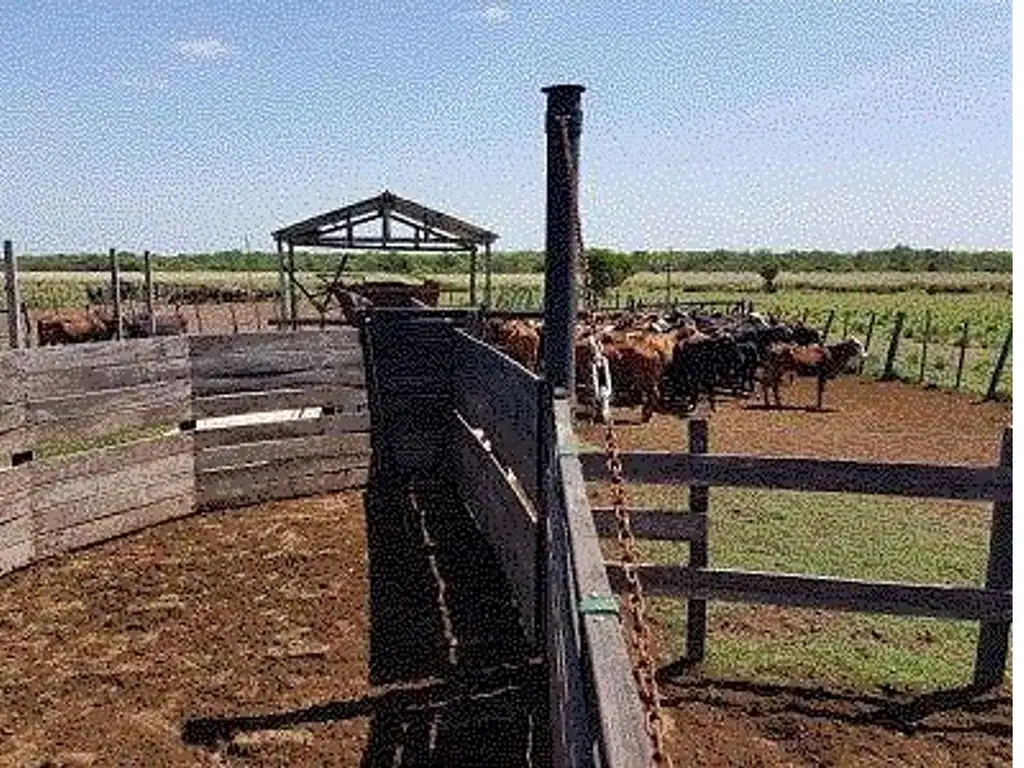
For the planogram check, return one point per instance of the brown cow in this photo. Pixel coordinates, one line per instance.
(520, 339)
(75, 327)
(822, 362)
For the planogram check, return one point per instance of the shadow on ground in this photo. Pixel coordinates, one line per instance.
(454, 683)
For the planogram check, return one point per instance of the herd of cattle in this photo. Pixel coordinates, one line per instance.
(667, 362)
(78, 326)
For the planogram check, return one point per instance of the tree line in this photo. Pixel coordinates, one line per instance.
(900, 258)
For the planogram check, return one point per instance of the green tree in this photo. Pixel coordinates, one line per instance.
(608, 269)
(769, 272)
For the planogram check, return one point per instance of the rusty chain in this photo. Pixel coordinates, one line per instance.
(639, 634)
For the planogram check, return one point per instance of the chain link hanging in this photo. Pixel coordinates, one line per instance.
(639, 632)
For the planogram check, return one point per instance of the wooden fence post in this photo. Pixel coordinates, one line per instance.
(963, 351)
(115, 292)
(997, 372)
(828, 325)
(846, 323)
(148, 266)
(27, 325)
(867, 343)
(668, 283)
(924, 344)
(697, 610)
(803, 318)
(894, 344)
(15, 336)
(994, 637)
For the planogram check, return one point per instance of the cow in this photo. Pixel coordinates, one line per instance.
(138, 327)
(519, 339)
(75, 327)
(822, 362)
(700, 363)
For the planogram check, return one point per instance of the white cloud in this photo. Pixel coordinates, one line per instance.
(203, 48)
(495, 13)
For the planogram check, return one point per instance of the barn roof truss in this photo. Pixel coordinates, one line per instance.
(386, 222)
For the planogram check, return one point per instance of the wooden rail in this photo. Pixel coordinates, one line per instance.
(991, 605)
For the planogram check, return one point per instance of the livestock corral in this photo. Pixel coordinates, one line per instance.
(349, 628)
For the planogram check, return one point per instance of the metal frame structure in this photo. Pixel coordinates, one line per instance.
(352, 227)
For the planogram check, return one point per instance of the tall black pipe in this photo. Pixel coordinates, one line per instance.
(560, 236)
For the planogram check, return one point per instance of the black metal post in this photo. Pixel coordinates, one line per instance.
(561, 243)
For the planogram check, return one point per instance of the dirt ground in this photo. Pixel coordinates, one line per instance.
(245, 637)
(729, 722)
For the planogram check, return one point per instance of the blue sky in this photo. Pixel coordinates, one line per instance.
(187, 126)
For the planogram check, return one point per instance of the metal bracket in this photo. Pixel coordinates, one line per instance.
(599, 605)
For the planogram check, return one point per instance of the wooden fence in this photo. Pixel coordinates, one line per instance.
(991, 604)
(445, 405)
(98, 440)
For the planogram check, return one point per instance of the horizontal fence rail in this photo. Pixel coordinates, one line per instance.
(991, 605)
(800, 474)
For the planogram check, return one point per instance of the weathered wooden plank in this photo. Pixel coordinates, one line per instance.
(14, 531)
(256, 475)
(338, 425)
(352, 376)
(111, 485)
(11, 375)
(624, 739)
(176, 480)
(14, 436)
(503, 518)
(49, 385)
(658, 524)
(96, 414)
(15, 557)
(268, 362)
(15, 505)
(340, 397)
(801, 474)
(47, 472)
(496, 394)
(821, 592)
(219, 344)
(352, 444)
(226, 493)
(60, 359)
(110, 527)
(15, 482)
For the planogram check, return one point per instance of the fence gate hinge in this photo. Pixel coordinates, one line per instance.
(599, 604)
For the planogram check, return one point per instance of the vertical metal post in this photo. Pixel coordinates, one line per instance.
(963, 351)
(148, 266)
(561, 242)
(924, 345)
(997, 372)
(472, 277)
(487, 275)
(282, 284)
(292, 304)
(115, 289)
(15, 335)
(867, 343)
(894, 343)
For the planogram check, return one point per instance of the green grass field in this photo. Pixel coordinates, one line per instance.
(848, 536)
